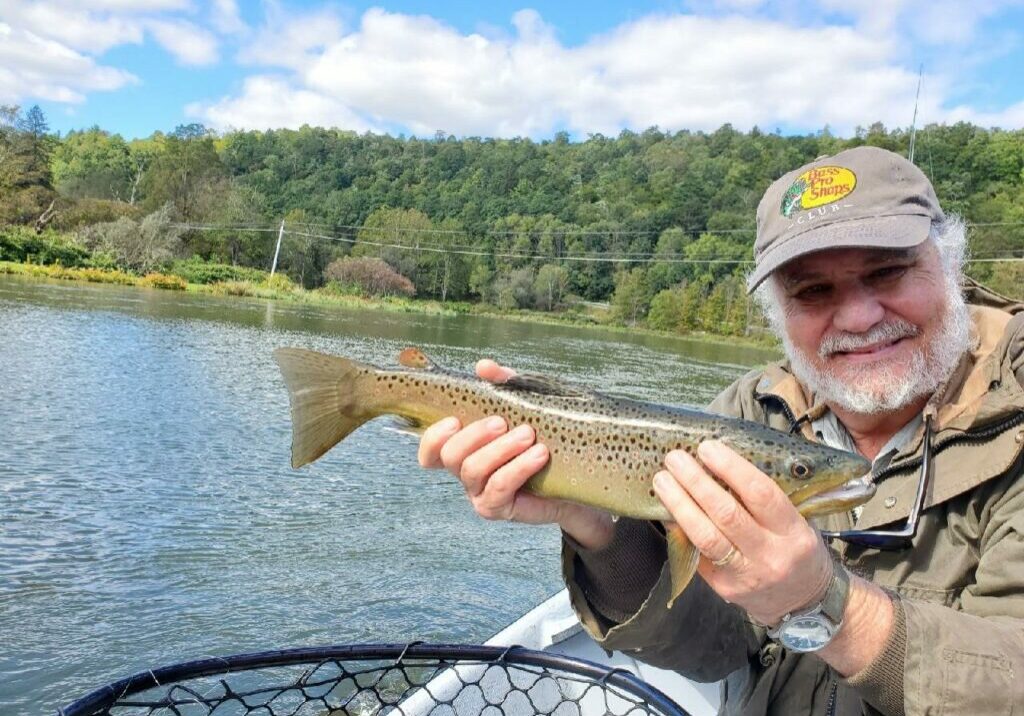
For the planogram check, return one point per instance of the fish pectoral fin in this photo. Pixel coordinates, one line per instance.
(544, 385)
(682, 560)
(407, 424)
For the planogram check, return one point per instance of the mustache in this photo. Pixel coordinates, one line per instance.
(887, 332)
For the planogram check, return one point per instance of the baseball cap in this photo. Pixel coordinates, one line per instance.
(865, 196)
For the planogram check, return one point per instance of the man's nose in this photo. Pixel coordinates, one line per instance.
(858, 311)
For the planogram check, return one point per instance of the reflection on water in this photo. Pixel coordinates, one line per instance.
(149, 513)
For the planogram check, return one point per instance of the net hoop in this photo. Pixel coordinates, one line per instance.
(102, 699)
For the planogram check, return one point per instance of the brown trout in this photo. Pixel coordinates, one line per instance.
(604, 450)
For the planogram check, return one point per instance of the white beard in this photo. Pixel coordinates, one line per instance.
(887, 386)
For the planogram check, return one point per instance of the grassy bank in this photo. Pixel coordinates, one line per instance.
(280, 288)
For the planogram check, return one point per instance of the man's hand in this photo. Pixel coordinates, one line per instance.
(493, 462)
(781, 563)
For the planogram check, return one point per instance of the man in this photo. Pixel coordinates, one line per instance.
(918, 607)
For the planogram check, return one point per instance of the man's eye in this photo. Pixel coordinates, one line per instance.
(888, 272)
(809, 293)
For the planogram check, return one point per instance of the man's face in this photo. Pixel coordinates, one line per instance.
(870, 330)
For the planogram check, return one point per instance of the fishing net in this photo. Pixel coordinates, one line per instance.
(380, 680)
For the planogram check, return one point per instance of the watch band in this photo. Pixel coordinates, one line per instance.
(832, 604)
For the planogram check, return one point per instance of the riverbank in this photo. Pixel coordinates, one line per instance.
(280, 288)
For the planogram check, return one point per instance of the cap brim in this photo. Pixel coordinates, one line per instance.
(882, 232)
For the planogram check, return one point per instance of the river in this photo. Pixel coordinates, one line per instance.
(148, 512)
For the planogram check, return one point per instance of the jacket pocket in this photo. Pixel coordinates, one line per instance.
(975, 683)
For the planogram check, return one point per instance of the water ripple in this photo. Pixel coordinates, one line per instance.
(149, 513)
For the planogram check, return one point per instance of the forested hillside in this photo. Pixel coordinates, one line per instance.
(658, 223)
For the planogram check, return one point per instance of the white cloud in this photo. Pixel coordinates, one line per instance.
(190, 44)
(225, 16)
(290, 40)
(934, 22)
(269, 102)
(49, 48)
(75, 28)
(674, 71)
(33, 66)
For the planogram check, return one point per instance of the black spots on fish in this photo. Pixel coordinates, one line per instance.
(651, 493)
(769, 466)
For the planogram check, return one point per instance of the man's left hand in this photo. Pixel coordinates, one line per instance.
(781, 563)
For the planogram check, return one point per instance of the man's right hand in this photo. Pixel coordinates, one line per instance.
(493, 462)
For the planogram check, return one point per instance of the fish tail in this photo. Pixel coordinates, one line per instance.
(326, 398)
(682, 560)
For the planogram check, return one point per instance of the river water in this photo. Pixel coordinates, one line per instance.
(148, 512)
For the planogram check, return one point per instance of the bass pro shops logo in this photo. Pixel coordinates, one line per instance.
(817, 187)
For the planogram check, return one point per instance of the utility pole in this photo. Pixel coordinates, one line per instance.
(913, 123)
(280, 235)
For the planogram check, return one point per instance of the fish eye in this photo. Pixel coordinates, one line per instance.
(800, 470)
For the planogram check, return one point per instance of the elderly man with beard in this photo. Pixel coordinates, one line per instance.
(913, 603)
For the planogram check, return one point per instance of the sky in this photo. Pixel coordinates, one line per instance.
(503, 69)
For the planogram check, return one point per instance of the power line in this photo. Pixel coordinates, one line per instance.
(468, 250)
(505, 254)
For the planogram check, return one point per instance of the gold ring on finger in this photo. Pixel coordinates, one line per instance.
(726, 558)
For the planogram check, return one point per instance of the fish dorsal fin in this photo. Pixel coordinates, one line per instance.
(543, 385)
(416, 359)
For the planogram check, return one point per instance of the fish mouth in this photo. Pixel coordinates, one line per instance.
(846, 496)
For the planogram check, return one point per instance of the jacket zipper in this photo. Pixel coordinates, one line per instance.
(831, 709)
(786, 410)
(973, 436)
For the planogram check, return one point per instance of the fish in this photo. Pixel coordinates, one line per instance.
(604, 450)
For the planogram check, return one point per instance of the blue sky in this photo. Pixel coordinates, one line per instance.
(512, 68)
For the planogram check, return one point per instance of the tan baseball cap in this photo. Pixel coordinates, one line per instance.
(863, 196)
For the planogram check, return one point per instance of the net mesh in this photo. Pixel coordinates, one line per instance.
(438, 685)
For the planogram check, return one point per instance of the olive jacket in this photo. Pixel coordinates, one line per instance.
(958, 643)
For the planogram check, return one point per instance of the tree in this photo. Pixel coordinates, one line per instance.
(632, 296)
(26, 182)
(93, 164)
(549, 286)
(667, 310)
(188, 173)
(137, 246)
(370, 276)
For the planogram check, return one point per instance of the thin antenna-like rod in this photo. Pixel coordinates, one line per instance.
(913, 123)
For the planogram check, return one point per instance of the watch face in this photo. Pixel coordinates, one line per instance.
(806, 633)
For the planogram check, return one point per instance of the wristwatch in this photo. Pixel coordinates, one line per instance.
(812, 628)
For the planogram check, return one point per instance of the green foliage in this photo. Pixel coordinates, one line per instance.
(26, 181)
(491, 219)
(94, 164)
(93, 275)
(19, 243)
(666, 312)
(195, 270)
(137, 245)
(513, 289)
(79, 213)
(278, 282)
(632, 296)
(164, 281)
(550, 286)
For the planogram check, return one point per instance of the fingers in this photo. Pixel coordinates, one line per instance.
(458, 446)
(434, 438)
(495, 496)
(706, 537)
(491, 371)
(484, 462)
(761, 497)
(715, 502)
